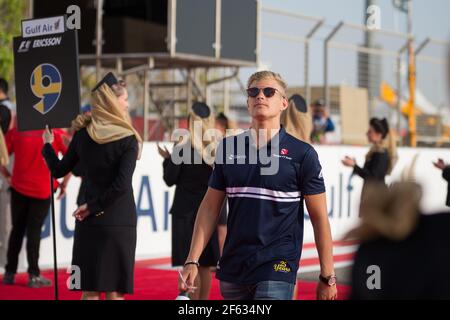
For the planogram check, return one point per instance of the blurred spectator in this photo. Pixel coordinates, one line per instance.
(5, 106)
(403, 254)
(440, 164)
(5, 123)
(322, 123)
(30, 200)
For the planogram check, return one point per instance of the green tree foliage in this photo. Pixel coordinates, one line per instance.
(11, 13)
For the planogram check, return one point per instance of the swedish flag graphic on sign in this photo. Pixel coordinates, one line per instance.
(46, 84)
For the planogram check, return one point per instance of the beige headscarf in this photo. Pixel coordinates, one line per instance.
(296, 123)
(107, 123)
(391, 213)
(4, 157)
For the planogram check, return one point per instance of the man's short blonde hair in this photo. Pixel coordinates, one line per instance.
(265, 75)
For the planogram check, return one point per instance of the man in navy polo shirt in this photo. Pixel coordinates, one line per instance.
(266, 175)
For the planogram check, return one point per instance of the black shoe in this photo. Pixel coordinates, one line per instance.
(38, 282)
(8, 278)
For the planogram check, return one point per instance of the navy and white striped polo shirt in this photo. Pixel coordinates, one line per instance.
(265, 219)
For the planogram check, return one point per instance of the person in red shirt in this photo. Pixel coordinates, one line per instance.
(30, 199)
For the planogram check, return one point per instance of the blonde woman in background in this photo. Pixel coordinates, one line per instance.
(191, 178)
(297, 119)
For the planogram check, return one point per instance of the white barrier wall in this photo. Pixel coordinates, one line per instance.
(153, 199)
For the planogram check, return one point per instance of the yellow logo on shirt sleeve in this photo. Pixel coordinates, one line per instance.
(282, 267)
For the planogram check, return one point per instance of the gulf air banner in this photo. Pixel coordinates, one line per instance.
(47, 80)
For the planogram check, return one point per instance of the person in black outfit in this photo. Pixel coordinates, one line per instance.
(440, 164)
(416, 268)
(382, 156)
(5, 219)
(107, 146)
(403, 253)
(78, 171)
(5, 122)
(191, 178)
(5, 106)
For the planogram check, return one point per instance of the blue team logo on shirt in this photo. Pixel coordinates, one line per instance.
(46, 84)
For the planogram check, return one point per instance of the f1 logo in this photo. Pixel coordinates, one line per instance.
(24, 46)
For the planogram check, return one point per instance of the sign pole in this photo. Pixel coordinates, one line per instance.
(55, 261)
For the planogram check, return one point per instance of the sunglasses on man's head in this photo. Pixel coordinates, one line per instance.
(268, 92)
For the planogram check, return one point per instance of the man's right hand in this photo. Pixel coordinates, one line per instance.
(187, 278)
(326, 292)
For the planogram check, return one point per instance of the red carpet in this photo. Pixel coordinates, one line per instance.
(150, 284)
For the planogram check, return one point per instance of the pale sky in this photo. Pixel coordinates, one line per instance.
(430, 19)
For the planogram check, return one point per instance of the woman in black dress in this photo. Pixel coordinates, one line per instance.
(191, 176)
(107, 147)
(382, 156)
(440, 164)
